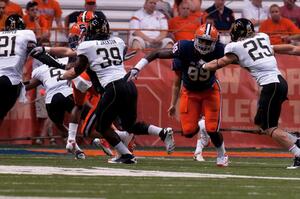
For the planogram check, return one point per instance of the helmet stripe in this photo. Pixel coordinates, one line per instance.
(208, 29)
(84, 16)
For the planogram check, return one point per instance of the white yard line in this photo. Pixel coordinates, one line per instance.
(103, 171)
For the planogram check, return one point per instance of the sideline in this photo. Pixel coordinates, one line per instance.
(153, 153)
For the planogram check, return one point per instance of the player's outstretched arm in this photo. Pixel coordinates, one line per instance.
(286, 49)
(79, 66)
(175, 94)
(161, 54)
(220, 63)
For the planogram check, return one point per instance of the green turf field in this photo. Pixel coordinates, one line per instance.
(245, 178)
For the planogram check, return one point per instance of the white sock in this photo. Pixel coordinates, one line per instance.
(122, 149)
(72, 131)
(154, 130)
(125, 136)
(295, 150)
(292, 137)
(221, 150)
(199, 147)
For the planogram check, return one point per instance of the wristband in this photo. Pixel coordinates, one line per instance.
(143, 62)
(47, 49)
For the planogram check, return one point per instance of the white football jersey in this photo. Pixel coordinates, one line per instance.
(13, 53)
(48, 76)
(256, 55)
(105, 58)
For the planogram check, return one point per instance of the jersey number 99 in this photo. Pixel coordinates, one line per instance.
(198, 74)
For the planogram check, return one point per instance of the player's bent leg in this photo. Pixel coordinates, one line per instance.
(165, 134)
(283, 138)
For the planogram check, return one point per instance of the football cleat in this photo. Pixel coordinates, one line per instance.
(79, 155)
(71, 146)
(168, 139)
(103, 144)
(296, 163)
(198, 157)
(125, 159)
(223, 161)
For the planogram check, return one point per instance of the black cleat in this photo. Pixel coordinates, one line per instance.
(125, 159)
(296, 163)
(79, 155)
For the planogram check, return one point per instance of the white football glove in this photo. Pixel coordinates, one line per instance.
(132, 74)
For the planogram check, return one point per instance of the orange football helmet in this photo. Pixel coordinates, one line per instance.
(206, 37)
(76, 34)
(86, 16)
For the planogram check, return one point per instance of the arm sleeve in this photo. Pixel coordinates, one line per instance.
(47, 59)
(176, 64)
(177, 49)
(229, 49)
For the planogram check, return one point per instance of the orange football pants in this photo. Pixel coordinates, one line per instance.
(195, 104)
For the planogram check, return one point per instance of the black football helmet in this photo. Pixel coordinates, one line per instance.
(98, 29)
(14, 22)
(241, 28)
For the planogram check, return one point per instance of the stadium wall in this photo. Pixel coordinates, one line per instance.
(239, 93)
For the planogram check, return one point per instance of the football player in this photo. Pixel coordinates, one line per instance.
(200, 91)
(104, 54)
(254, 52)
(16, 44)
(59, 98)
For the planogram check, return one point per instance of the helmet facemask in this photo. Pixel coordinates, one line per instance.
(204, 44)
